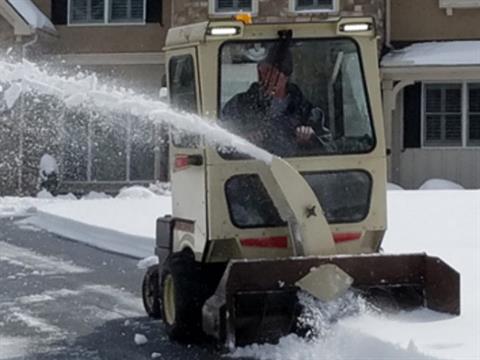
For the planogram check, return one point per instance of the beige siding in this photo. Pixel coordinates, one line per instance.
(416, 20)
(109, 39)
(458, 165)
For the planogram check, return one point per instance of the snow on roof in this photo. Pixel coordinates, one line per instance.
(32, 15)
(435, 53)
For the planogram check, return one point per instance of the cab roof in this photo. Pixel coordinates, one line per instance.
(197, 33)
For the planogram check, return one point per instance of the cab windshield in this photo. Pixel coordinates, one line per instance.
(296, 97)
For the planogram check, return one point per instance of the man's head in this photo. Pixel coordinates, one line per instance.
(280, 57)
(273, 72)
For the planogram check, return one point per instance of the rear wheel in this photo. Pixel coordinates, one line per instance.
(151, 292)
(182, 298)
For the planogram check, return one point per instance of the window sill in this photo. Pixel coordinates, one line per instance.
(315, 11)
(450, 5)
(230, 14)
(107, 24)
(446, 147)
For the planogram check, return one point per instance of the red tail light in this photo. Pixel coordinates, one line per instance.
(348, 236)
(267, 242)
(181, 162)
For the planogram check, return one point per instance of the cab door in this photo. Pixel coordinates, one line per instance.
(187, 165)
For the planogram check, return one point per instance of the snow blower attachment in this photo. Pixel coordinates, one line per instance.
(247, 308)
(246, 234)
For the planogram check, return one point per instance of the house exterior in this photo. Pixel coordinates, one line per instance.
(430, 102)
(121, 42)
(431, 90)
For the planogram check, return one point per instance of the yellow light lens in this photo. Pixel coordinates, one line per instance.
(246, 18)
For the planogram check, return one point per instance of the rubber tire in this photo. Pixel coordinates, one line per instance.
(188, 297)
(151, 283)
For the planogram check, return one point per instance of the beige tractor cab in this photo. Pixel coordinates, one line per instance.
(246, 234)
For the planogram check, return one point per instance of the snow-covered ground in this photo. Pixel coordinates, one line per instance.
(443, 223)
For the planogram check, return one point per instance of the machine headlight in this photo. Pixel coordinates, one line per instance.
(224, 31)
(356, 27)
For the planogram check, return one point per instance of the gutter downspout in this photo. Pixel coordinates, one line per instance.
(388, 24)
(22, 120)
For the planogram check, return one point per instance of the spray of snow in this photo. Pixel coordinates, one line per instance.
(83, 90)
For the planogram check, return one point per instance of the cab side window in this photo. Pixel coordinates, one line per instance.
(183, 96)
(182, 83)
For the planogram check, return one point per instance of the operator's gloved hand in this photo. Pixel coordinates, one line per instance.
(304, 134)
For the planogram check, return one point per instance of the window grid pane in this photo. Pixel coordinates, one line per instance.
(314, 5)
(233, 5)
(93, 11)
(126, 10)
(87, 11)
(443, 115)
(473, 137)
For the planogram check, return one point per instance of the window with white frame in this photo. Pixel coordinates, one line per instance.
(106, 11)
(451, 114)
(313, 5)
(231, 6)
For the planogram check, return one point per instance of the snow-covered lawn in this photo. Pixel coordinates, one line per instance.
(442, 223)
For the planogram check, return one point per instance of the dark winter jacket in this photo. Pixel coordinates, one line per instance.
(275, 120)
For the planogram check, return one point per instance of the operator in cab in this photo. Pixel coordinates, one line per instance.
(273, 113)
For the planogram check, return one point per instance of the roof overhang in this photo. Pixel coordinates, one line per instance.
(431, 72)
(25, 18)
(440, 60)
(20, 26)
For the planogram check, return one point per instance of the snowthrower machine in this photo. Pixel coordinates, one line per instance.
(246, 234)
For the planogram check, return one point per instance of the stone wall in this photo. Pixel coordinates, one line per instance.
(190, 11)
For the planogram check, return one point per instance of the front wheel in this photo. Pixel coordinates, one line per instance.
(151, 292)
(182, 299)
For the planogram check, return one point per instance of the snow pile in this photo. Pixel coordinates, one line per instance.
(124, 224)
(48, 165)
(135, 192)
(435, 53)
(32, 15)
(393, 186)
(440, 184)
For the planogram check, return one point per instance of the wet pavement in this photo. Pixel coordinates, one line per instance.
(61, 299)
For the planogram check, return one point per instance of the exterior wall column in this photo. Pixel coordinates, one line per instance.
(388, 107)
(393, 138)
